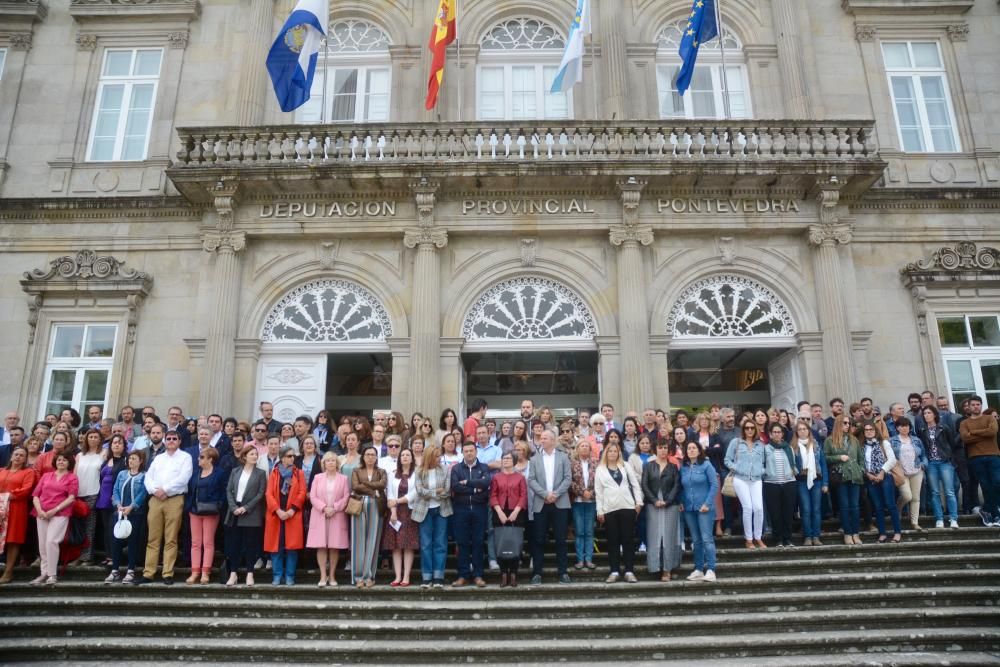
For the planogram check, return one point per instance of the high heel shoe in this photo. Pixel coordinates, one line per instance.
(249, 580)
(193, 579)
(760, 544)
(233, 578)
(206, 577)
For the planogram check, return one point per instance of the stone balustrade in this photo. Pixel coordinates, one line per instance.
(512, 142)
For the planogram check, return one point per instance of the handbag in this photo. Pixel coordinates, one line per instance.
(205, 508)
(898, 476)
(354, 506)
(728, 489)
(509, 541)
(123, 527)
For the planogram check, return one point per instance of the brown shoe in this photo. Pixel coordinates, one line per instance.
(512, 582)
(193, 579)
(459, 583)
(503, 581)
(749, 544)
(480, 582)
(760, 544)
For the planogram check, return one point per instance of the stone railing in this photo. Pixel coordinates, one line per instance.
(312, 145)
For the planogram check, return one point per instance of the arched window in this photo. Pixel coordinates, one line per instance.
(529, 309)
(704, 99)
(729, 306)
(356, 71)
(518, 60)
(327, 311)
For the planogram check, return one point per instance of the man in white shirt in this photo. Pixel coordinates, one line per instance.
(549, 479)
(269, 459)
(10, 420)
(393, 443)
(167, 482)
(608, 411)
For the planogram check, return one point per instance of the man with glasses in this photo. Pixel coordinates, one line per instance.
(166, 482)
(837, 409)
(258, 434)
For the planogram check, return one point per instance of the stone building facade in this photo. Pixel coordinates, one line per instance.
(167, 235)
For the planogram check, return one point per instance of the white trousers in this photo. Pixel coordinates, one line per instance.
(751, 496)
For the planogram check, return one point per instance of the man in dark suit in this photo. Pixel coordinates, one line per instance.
(549, 478)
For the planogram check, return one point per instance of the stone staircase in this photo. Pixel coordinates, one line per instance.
(934, 599)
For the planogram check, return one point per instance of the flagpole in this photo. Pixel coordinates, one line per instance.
(326, 68)
(593, 69)
(722, 50)
(458, 50)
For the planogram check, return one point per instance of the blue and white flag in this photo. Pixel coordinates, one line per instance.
(701, 27)
(291, 62)
(571, 68)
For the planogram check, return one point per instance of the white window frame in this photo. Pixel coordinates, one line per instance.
(3, 60)
(914, 73)
(129, 81)
(972, 354)
(715, 65)
(80, 365)
(508, 60)
(363, 63)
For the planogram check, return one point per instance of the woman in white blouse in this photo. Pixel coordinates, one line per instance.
(88, 470)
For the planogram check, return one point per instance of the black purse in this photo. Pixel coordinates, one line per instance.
(205, 508)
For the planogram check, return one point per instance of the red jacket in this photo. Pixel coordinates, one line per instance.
(509, 491)
(296, 499)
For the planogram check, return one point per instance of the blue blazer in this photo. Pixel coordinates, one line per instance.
(211, 489)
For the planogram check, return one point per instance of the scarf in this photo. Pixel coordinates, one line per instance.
(286, 478)
(809, 461)
(787, 449)
(878, 457)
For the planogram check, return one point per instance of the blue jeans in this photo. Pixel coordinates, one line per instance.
(701, 526)
(883, 497)
(283, 564)
(847, 501)
(433, 544)
(584, 515)
(987, 472)
(470, 528)
(942, 472)
(810, 504)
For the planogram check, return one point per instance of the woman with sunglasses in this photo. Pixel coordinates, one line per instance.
(205, 499)
(745, 459)
(845, 462)
(283, 535)
(323, 430)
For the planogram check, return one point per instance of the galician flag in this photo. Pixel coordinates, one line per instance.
(571, 68)
(291, 62)
(443, 33)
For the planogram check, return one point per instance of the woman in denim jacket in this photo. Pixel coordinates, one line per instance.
(745, 459)
(909, 451)
(129, 498)
(812, 481)
(699, 486)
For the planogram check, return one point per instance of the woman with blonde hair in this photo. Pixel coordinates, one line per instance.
(430, 506)
(328, 524)
(619, 501)
(845, 461)
(812, 481)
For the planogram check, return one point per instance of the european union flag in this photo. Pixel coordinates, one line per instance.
(291, 61)
(701, 27)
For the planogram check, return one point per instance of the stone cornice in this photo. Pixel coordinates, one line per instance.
(897, 7)
(86, 10)
(985, 199)
(34, 10)
(98, 208)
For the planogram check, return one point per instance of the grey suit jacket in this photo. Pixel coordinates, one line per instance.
(253, 497)
(561, 481)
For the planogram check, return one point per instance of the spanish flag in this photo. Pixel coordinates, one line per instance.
(442, 34)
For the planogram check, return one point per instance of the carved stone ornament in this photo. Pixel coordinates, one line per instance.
(425, 236)
(830, 234)
(729, 306)
(289, 376)
(631, 194)
(20, 41)
(224, 194)
(85, 265)
(625, 234)
(423, 192)
(327, 311)
(86, 41)
(178, 40)
(35, 302)
(133, 3)
(529, 248)
(964, 256)
(827, 199)
(326, 254)
(864, 32)
(231, 241)
(529, 308)
(958, 32)
(727, 249)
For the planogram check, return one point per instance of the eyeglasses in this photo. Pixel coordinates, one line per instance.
(566, 430)
(749, 428)
(392, 446)
(259, 430)
(846, 422)
(171, 437)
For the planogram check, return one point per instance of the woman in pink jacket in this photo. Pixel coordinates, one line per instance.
(328, 524)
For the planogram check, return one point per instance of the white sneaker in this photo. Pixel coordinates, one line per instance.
(494, 566)
(709, 575)
(939, 524)
(696, 576)
(953, 524)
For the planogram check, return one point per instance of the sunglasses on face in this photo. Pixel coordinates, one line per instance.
(393, 446)
(175, 438)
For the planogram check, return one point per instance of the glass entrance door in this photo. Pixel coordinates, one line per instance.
(563, 381)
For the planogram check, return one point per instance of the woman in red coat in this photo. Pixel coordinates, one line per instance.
(286, 496)
(17, 480)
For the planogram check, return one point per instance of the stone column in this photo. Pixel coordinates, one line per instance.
(633, 319)
(825, 237)
(615, 71)
(425, 319)
(793, 80)
(220, 343)
(250, 103)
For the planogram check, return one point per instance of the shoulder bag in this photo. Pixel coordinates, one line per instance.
(898, 476)
(354, 506)
(728, 489)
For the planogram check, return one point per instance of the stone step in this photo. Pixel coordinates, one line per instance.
(689, 647)
(686, 597)
(430, 629)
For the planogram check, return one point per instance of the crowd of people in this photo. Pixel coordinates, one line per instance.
(145, 493)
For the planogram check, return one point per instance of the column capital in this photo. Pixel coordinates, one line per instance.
(432, 237)
(424, 191)
(224, 195)
(623, 235)
(224, 242)
(830, 234)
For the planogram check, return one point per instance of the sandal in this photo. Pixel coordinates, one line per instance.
(665, 576)
(897, 538)
(882, 539)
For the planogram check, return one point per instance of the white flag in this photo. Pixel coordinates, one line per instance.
(571, 68)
